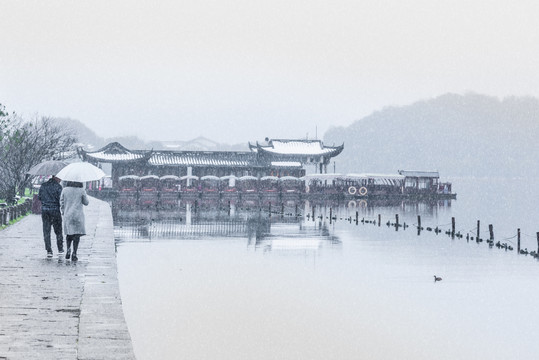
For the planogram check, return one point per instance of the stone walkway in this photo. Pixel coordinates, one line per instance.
(55, 308)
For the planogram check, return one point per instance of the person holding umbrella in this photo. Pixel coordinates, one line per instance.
(72, 200)
(49, 196)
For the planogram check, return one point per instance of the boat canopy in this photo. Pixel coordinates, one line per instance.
(228, 177)
(269, 178)
(419, 173)
(169, 177)
(146, 177)
(125, 177)
(293, 178)
(210, 177)
(380, 179)
(189, 177)
(247, 177)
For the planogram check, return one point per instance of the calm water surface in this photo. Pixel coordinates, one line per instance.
(247, 286)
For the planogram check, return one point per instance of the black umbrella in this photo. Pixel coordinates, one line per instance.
(51, 167)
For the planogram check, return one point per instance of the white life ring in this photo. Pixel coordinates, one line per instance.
(306, 188)
(362, 204)
(352, 190)
(352, 204)
(363, 191)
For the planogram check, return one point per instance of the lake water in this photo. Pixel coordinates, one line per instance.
(209, 285)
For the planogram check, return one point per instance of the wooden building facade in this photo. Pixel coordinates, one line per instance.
(273, 158)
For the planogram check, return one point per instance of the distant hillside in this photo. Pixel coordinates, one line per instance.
(202, 144)
(459, 135)
(85, 136)
(89, 140)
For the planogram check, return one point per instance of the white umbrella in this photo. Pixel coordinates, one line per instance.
(80, 172)
(51, 167)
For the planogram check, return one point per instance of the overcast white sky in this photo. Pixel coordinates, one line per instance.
(235, 71)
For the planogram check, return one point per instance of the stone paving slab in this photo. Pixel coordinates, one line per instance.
(52, 308)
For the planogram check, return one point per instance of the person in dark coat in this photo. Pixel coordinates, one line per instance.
(72, 199)
(49, 195)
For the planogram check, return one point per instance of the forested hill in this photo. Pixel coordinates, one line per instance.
(459, 135)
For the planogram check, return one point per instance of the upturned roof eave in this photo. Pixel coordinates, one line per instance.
(140, 155)
(334, 151)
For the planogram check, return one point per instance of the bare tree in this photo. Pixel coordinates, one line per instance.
(25, 144)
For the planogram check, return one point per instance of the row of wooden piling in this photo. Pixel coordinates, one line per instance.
(12, 212)
(452, 233)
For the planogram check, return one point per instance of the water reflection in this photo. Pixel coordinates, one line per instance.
(224, 294)
(290, 225)
(262, 230)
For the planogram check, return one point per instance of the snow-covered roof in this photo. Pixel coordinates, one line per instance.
(203, 158)
(269, 178)
(147, 177)
(169, 177)
(115, 152)
(298, 147)
(134, 177)
(377, 176)
(285, 164)
(415, 173)
(275, 153)
(102, 156)
(210, 177)
(247, 177)
(324, 176)
(189, 177)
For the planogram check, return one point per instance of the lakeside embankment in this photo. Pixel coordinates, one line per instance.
(58, 309)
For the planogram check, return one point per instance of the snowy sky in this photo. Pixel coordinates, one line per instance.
(242, 70)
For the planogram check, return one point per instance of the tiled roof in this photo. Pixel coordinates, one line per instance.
(203, 158)
(115, 152)
(285, 153)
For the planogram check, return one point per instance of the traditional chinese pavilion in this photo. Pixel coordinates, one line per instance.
(276, 157)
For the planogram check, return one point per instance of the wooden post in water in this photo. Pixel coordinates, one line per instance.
(228, 207)
(282, 209)
(379, 219)
(330, 215)
(313, 212)
(453, 226)
(518, 241)
(418, 225)
(396, 222)
(478, 228)
(357, 217)
(491, 231)
(538, 243)
(296, 209)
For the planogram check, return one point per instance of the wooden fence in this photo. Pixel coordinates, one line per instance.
(12, 212)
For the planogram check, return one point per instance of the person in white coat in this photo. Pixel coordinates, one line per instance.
(72, 199)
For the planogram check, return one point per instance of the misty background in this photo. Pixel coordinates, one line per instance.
(213, 75)
(459, 135)
(235, 70)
